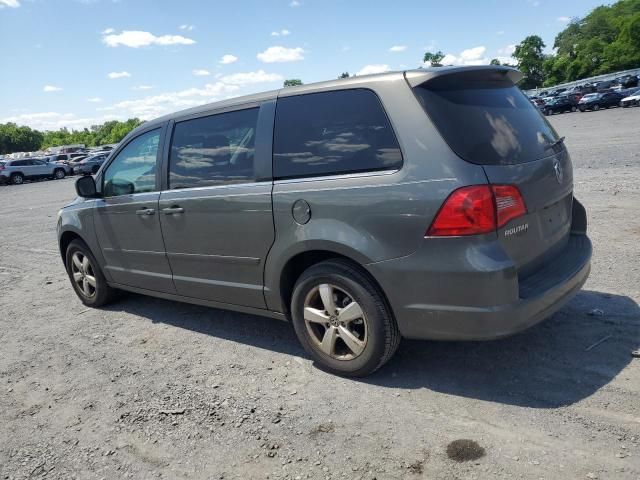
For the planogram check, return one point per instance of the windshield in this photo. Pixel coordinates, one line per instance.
(488, 122)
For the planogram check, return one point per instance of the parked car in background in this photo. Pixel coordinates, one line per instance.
(561, 104)
(90, 165)
(309, 204)
(596, 101)
(17, 171)
(627, 81)
(604, 85)
(632, 99)
(64, 157)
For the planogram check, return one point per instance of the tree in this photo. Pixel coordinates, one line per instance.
(14, 138)
(435, 59)
(606, 40)
(495, 61)
(293, 82)
(344, 75)
(530, 56)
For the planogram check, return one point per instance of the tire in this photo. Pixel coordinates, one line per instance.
(573, 109)
(17, 179)
(98, 294)
(582, 109)
(375, 330)
(59, 173)
(596, 107)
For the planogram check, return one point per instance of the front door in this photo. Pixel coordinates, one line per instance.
(126, 217)
(216, 215)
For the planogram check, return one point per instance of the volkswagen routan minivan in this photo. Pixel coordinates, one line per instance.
(427, 204)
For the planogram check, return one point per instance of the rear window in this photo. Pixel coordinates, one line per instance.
(332, 133)
(487, 121)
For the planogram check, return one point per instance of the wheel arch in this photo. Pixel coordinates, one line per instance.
(296, 265)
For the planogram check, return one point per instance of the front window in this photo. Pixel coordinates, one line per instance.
(134, 169)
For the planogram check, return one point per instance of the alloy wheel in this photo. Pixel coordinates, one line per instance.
(59, 174)
(335, 322)
(83, 274)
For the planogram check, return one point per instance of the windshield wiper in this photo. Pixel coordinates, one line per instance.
(554, 144)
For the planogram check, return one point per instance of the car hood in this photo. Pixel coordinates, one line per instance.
(632, 97)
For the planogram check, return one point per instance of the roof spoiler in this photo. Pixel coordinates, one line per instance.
(423, 76)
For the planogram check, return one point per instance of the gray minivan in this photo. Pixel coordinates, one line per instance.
(427, 204)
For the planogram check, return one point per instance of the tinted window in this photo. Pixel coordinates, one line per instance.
(19, 163)
(214, 150)
(487, 121)
(332, 133)
(134, 169)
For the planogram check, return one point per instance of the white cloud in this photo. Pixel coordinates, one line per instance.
(508, 50)
(294, 3)
(251, 78)
(281, 54)
(137, 38)
(114, 75)
(186, 27)
(107, 31)
(398, 48)
(55, 120)
(284, 32)
(201, 72)
(470, 56)
(564, 19)
(94, 100)
(228, 58)
(51, 88)
(143, 87)
(9, 3)
(376, 68)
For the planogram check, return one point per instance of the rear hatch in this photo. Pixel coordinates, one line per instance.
(488, 121)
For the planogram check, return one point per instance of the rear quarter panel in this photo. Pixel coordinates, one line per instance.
(374, 216)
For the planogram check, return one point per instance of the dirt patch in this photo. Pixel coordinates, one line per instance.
(464, 450)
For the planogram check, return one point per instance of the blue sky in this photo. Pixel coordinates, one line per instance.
(80, 62)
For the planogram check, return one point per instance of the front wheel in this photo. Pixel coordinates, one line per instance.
(17, 179)
(596, 107)
(342, 319)
(86, 276)
(59, 174)
(573, 109)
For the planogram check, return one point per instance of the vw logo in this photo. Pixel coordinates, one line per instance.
(558, 169)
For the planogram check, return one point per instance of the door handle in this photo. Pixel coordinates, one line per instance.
(145, 211)
(172, 210)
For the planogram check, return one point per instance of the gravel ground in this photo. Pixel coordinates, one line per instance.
(155, 389)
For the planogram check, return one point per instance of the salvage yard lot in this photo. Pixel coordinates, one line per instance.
(149, 388)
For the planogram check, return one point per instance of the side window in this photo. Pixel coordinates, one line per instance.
(134, 169)
(330, 133)
(214, 150)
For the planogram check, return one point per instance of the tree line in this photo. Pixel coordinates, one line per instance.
(607, 40)
(15, 138)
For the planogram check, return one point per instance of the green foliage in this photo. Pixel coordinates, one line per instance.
(18, 139)
(434, 58)
(344, 75)
(292, 82)
(495, 61)
(25, 139)
(530, 61)
(607, 40)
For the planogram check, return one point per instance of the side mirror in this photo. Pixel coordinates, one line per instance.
(86, 187)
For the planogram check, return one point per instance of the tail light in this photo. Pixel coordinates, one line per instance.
(477, 209)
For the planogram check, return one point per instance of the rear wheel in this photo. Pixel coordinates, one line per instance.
(342, 319)
(17, 179)
(86, 276)
(59, 174)
(573, 109)
(596, 107)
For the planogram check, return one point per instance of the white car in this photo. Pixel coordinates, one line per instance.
(631, 100)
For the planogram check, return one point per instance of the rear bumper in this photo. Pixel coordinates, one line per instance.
(477, 294)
